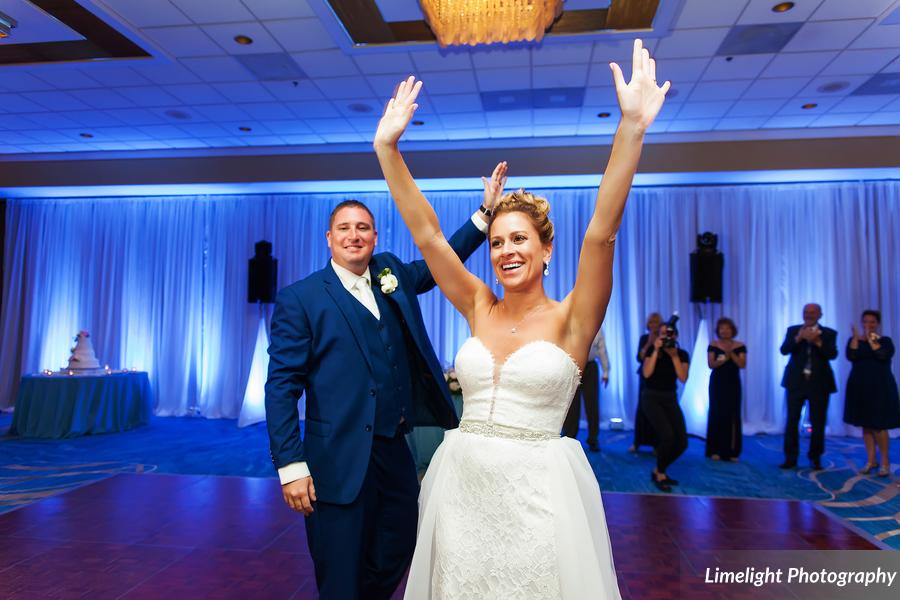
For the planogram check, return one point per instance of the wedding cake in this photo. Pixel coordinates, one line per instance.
(83, 356)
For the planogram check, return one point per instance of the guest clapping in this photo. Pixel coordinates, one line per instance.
(726, 356)
(664, 365)
(872, 400)
(808, 376)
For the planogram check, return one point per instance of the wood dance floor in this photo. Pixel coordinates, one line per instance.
(178, 536)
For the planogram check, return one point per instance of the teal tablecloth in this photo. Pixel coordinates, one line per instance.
(61, 406)
(423, 441)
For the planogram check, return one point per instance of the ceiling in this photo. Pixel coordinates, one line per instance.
(302, 86)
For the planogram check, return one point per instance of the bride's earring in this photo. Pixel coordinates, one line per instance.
(497, 280)
(546, 269)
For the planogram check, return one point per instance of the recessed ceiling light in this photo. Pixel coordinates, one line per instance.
(834, 86)
(603, 115)
(729, 58)
(782, 7)
(418, 123)
(245, 128)
(809, 105)
(86, 135)
(243, 40)
(359, 107)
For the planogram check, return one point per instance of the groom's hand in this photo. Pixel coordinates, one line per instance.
(299, 495)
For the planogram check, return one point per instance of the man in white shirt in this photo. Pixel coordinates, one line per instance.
(589, 390)
(351, 336)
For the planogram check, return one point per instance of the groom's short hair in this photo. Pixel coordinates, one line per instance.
(349, 204)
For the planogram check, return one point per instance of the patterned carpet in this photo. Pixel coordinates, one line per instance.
(34, 469)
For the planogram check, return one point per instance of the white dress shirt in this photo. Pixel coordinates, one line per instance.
(598, 350)
(360, 287)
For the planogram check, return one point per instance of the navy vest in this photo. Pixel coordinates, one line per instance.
(386, 345)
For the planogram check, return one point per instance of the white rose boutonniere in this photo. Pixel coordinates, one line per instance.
(388, 281)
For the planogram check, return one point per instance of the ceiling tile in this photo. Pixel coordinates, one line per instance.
(738, 123)
(590, 114)
(827, 35)
(148, 14)
(554, 116)
(883, 118)
(18, 81)
(321, 126)
(223, 34)
(292, 91)
(279, 9)
(306, 139)
(746, 66)
(114, 76)
(788, 122)
(709, 13)
(492, 57)
(203, 130)
(244, 92)
(520, 131)
(778, 87)
(465, 134)
(862, 103)
(456, 103)
(18, 122)
(451, 82)
(325, 63)
(64, 79)
(760, 11)
(834, 10)
(865, 62)
(300, 35)
(798, 63)
(562, 54)
(102, 98)
(558, 130)
(344, 87)
(879, 36)
(560, 76)
(681, 70)
(220, 11)
(441, 60)
(701, 110)
(795, 106)
(148, 96)
(217, 69)
(383, 85)
(719, 90)
(693, 125)
(756, 108)
(366, 108)
(509, 118)
(464, 120)
(599, 96)
(620, 51)
(196, 93)
(184, 41)
(268, 111)
(689, 43)
(92, 118)
(313, 109)
(163, 131)
(55, 100)
(133, 116)
(834, 85)
(598, 128)
(497, 80)
(164, 74)
(393, 62)
(51, 120)
(839, 120)
(222, 112)
(342, 138)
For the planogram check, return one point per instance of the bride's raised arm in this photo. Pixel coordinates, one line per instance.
(640, 101)
(462, 288)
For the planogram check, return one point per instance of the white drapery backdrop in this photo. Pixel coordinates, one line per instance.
(161, 282)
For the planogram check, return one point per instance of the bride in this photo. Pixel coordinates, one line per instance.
(508, 509)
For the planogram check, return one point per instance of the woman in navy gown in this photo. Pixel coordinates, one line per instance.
(726, 357)
(872, 400)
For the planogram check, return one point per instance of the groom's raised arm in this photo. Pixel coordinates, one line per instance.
(288, 368)
(464, 242)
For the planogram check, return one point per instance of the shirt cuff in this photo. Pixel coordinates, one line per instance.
(293, 472)
(479, 222)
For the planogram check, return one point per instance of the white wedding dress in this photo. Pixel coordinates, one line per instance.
(508, 509)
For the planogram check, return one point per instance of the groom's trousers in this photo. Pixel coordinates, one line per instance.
(362, 549)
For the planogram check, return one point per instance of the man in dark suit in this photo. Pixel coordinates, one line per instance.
(352, 337)
(808, 376)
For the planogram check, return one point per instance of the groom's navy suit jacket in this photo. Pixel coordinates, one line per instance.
(318, 346)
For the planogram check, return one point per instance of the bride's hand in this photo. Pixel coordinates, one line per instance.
(641, 99)
(493, 187)
(398, 112)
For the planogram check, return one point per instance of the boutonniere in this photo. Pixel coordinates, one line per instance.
(388, 281)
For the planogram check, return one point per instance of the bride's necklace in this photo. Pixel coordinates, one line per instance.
(528, 313)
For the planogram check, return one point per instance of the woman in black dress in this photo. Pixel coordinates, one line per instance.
(726, 357)
(643, 432)
(872, 400)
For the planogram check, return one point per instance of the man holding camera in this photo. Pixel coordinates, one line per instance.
(664, 365)
(808, 376)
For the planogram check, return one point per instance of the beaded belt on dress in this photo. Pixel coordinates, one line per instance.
(503, 431)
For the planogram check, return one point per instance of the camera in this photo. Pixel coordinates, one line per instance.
(668, 336)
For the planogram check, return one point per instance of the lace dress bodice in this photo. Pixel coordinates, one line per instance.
(532, 390)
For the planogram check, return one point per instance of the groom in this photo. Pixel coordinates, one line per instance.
(352, 337)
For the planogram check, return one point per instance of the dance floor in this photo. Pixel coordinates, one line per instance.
(180, 536)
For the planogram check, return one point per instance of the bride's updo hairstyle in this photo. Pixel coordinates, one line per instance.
(536, 208)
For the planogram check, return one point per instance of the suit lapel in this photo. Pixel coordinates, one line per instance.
(344, 301)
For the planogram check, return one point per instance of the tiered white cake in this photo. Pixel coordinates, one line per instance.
(83, 356)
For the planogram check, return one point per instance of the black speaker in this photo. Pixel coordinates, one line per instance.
(262, 276)
(707, 265)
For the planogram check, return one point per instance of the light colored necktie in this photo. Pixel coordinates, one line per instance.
(366, 297)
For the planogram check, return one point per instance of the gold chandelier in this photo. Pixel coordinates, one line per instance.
(473, 22)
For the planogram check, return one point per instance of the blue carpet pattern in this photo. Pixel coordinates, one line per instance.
(34, 469)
